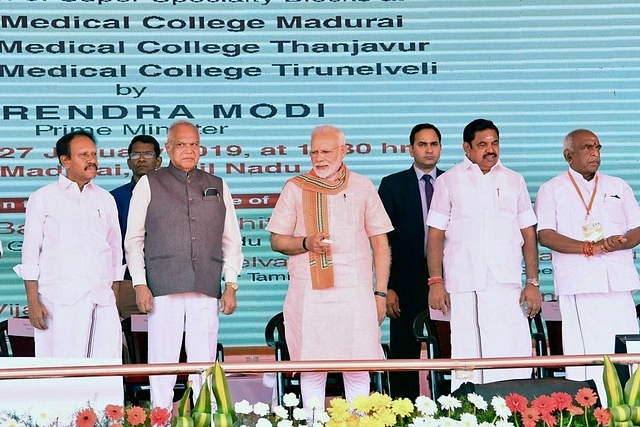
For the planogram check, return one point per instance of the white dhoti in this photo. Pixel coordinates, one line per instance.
(194, 314)
(83, 329)
(590, 323)
(313, 386)
(489, 323)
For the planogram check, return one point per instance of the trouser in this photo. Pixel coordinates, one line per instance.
(313, 387)
(83, 329)
(489, 323)
(590, 323)
(192, 315)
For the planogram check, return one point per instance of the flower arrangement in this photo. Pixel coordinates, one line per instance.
(111, 416)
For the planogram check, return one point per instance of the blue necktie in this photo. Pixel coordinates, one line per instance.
(428, 189)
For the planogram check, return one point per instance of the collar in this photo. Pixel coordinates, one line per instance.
(65, 183)
(579, 178)
(420, 173)
(469, 165)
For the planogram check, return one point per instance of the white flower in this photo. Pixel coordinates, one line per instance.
(290, 400)
(263, 422)
(486, 424)
(285, 423)
(321, 417)
(426, 406)
(243, 407)
(478, 401)
(502, 423)
(420, 422)
(313, 403)
(281, 411)
(468, 420)
(448, 422)
(501, 408)
(9, 422)
(449, 402)
(261, 409)
(317, 423)
(300, 414)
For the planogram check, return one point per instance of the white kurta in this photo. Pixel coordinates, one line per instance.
(339, 322)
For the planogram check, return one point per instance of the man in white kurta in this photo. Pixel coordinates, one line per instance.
(72, 259)
(481, 223)
(336, 316)
(590, 221)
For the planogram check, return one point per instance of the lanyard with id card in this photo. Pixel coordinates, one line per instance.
(591, 230)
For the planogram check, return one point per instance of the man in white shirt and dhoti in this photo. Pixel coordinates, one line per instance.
(481, 225)
(72, 259)
(330, 221)
(590, 221)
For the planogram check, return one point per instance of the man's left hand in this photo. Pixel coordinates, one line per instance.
(531, 297)
(228, 301)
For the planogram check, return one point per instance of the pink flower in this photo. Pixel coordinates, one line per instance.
(516, 402)
(544, 404)
(602, 416)
(86, 418)
(549, 419)
(575, 410)
(563, 400)
(114, 412)
(586, 397)
(135, 415)
(160, 416)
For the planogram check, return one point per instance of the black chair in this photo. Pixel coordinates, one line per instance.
(21, 346)
(136, 344)
(4, 338)
(287, 382)
(436, 334)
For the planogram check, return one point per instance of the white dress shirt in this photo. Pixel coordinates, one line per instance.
(134, 241)
(560, 208)
(482, 215)
(72, 243)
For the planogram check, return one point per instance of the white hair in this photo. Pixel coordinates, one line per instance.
(329, 128)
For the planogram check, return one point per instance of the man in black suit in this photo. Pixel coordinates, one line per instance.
(406, 196)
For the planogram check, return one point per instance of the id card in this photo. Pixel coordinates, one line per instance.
(592, 231)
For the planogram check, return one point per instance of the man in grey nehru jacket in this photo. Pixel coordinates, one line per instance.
(182, 237)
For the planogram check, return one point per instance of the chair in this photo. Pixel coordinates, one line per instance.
(287, 382)
(21, 345)
(4, 338)
(436, 334)
(136, 344)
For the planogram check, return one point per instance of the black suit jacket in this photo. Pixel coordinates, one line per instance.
(400, 194)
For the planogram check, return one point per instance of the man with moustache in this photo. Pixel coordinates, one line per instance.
(406, 196)
(481, 225)
(72, 259)
(328, 221)
(144, 157)
(182, 237)
(591, 222)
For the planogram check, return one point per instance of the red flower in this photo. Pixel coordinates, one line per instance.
(114, 412)
(160, 416)
(602, 416)
(575, 410)
(86, 418)
(563, 400)
(516, 402)
(544, 404)
(135, 415)
(549, 419)
(530, 417)
(586, 397)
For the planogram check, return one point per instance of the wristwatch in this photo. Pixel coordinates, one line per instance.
(534, 282)
(232, 285)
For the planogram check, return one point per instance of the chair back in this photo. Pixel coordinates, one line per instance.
(21, 343)
(436, 334)
(4, 339)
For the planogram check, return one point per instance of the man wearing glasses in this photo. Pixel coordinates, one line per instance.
(144, 157)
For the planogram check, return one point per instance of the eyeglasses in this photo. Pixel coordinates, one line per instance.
(323, 152)
(146, 154)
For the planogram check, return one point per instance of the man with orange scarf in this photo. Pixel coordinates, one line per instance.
(330, 221)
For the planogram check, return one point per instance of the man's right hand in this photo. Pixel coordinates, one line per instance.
(393, 304)
(38, 314)
(439, 298)
(144, 298)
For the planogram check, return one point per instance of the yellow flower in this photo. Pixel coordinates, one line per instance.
(402, 407)
(339, 410)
